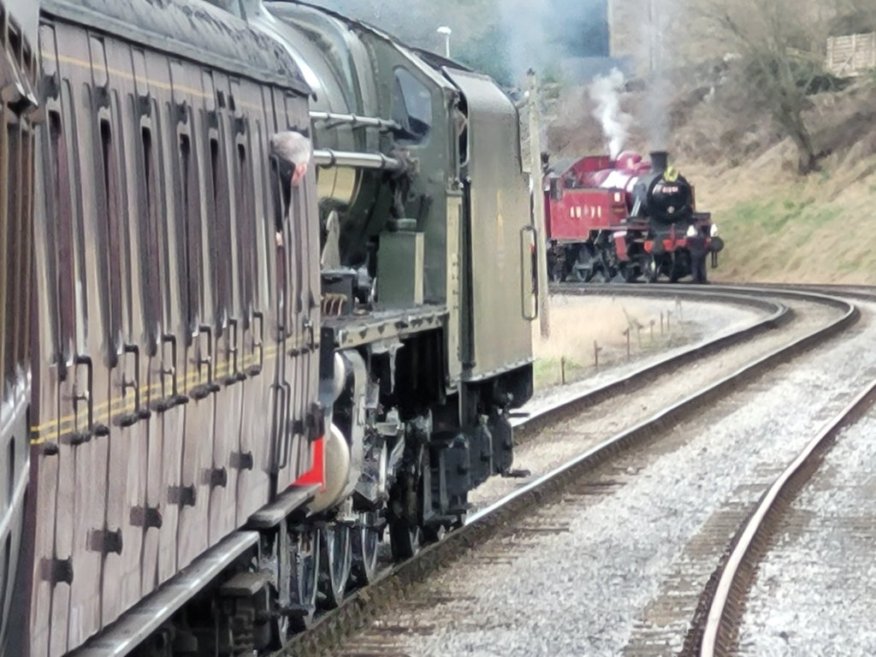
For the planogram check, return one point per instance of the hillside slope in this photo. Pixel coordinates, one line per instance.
(781, 229)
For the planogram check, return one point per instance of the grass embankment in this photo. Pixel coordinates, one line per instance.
(821, 229)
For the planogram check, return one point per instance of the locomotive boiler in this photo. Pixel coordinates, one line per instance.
(271, 247)
(622, 219)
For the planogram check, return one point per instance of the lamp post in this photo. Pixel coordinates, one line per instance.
(538, 219)
(445, 32)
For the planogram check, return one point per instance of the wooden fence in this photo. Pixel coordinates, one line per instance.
(851, 55)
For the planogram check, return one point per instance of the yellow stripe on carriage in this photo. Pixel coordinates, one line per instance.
(105, 411)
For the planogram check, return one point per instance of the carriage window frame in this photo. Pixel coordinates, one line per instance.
(109, 230)
(72, 298)
(58, 221)
(170, 235)
(245, 227)
(219, 234)
(151, 272)
(189, 226)
(12, 250)
(265, 240)
(128, 234)
(27, 207)
(107, 224)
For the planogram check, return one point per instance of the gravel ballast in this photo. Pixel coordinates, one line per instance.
(813, 592)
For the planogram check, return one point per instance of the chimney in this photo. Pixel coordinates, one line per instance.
(659, 161)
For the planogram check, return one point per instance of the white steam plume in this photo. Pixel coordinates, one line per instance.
(660, 17)
(605, 92)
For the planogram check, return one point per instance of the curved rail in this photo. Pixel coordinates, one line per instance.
(778, 314)
(366, 603)
(722, 621)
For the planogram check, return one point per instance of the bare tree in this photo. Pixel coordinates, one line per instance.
(781, 43)
(853, 17)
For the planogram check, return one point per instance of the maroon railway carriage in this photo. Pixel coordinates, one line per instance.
(157, 349)
(622, 219)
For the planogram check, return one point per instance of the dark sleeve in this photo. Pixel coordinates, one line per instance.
(281, 189)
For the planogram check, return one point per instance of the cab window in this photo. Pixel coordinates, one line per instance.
(411, 107)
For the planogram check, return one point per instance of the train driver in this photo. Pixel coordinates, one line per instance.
(696, 244)
(294, 151)
(291, 152)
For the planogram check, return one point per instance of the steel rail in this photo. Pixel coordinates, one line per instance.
(719, 634)
(391, 586)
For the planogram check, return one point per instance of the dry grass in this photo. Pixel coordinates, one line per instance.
(578, 322)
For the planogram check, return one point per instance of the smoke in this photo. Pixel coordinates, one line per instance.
(547, 34)
(656, 119)
(659, 17)
(504, 38)
(605, 92)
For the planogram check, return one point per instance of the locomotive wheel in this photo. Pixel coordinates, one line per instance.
(582, 275)
(586, 266)
(337, 562)
(630, 274)
(305, 559)
(598, 276)
(281, 626)
(366, 545)
(555, 268)
(405, 532)
(406, 539)
(652, 270)
(368, 534)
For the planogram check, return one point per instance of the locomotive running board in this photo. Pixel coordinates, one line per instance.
(271, 515)
(135, 626)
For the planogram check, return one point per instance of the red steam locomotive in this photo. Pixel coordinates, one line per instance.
(623, 219)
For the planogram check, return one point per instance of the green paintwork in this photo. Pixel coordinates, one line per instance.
(473, 251)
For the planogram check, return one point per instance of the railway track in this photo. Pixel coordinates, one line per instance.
(499, 519)
(829, 534)
(724, 617)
